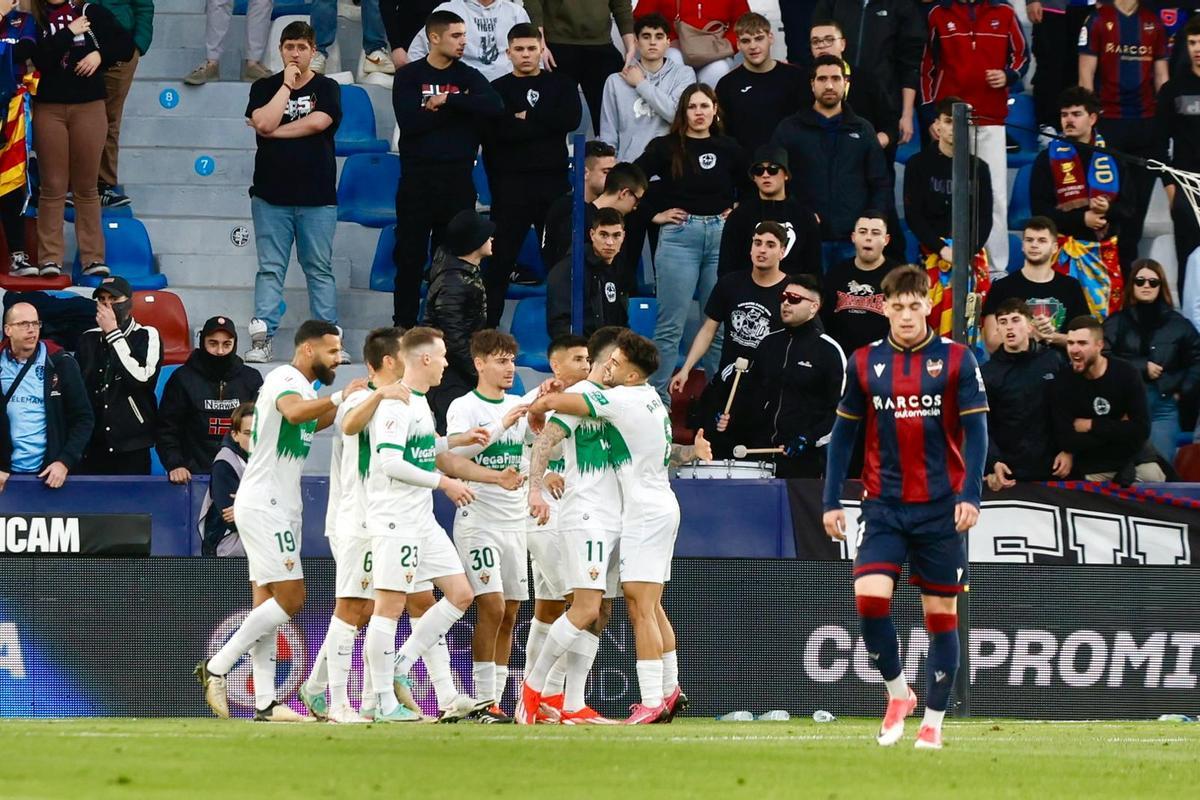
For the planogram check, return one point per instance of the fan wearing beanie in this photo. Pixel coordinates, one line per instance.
(457, 304)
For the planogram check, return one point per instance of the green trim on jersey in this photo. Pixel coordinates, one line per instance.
(487, 399)
(501, 455)
(618, 451)
(414, 391)
(591, 408)
(294, 440)
(364, 453)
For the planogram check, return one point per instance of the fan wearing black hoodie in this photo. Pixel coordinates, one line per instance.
(525, 153)
(200, 396)
(603, 297)
(441, 104)
(771, 203)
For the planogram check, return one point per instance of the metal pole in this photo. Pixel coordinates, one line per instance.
(960, 235)
(577, 233)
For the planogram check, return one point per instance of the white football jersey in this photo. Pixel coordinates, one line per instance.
(348, 470)
(592, 499)
(493, 504)
(278, 448)
(641, 448)
(396, 508)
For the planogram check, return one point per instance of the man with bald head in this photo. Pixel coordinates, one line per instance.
(45, 417)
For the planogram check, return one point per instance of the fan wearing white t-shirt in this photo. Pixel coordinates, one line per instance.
(641, 449)
(268, 507)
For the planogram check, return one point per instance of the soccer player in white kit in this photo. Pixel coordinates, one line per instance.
(589, 527)
(407, 543)
(569, 363)
(345, 527)
(268, 505)
(641, 449)
(490, 533)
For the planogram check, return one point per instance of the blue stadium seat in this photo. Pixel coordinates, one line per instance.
(128, 253)
(1015, 259)
(356, 132)
(367, 189)
(906, 151)
(1019, 208)
(383, 268)
(282, 8)
(643, 314)
(912, 246)
(531, 254)
(1023, 128)
(518, 291)
(479, 175)
(529, 329)
(518, 386)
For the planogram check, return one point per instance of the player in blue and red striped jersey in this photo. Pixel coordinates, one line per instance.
(923, 402)
(1123, 59)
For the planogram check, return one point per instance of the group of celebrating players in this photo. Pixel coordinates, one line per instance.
(573, 477)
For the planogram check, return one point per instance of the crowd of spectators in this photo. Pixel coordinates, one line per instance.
(760, 187)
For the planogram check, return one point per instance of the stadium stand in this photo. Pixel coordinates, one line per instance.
(129, 254)
(367, 189)
(356, 133)
(165, 312)
(529, 328)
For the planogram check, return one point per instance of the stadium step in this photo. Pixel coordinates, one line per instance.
(164, 164)
(197, 132)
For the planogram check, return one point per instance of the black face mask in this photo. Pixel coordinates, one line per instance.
(215, 366)
(123, 312)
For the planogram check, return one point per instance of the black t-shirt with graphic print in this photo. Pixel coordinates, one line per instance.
(713, 171)
(748, 311)
(1061, 298)
(302, 171)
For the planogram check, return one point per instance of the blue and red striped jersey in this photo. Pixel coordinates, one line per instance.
(1127, 47)
(912, 400)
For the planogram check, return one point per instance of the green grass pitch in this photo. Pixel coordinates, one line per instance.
(215, 759)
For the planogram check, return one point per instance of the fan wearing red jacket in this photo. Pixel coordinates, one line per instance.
(700, 14)
(975, 51)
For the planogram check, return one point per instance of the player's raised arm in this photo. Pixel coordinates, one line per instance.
(358, 418)
(563, 403)
(456, 466)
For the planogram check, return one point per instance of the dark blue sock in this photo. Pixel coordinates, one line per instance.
(879, 634)
(942, 661)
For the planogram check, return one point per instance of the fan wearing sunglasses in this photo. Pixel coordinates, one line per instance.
(794, 384)
(768, 199)
(1164, 347)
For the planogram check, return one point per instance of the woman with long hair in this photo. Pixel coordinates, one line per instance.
(699, 170)
(76, 44)
(1164, 346)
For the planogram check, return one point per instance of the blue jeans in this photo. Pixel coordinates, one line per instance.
(311, 229)
(685, 266)
(324, 21)
(1164, 422)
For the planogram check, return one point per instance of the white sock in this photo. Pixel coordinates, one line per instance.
(933, 719)
(318, 678)
(670, 673)
(538, 631)
(425, 632)
(483, 675)
(381, 647)
(367, 701)
(897, 687)
(501, 682)
(437, 665)
(556, 678)
(562, 636)
(262, 662)
(650, 682)
(339, 643)
(580, 658)
(264, 619)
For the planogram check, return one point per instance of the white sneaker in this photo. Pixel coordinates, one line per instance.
(260, 343)
(379, 61)
(462, 706)
(344, 359)
(346, 715)
(318, 63)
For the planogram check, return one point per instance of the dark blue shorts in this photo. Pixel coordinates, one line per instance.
(922, 534)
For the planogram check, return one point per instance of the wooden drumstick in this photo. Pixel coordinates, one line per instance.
(739, 366)
(741, 451)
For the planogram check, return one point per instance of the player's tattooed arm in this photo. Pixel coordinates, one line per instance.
(539, 460)
(687, 453)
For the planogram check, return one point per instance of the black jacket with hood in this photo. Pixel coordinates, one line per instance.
(120, 370)
(1158, 333)
(193, 417)
(604, 301)
(1020, 426)
(456, 305)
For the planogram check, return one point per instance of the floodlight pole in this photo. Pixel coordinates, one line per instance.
(961, 255)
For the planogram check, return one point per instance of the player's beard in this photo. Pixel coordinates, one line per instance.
(325, 374)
